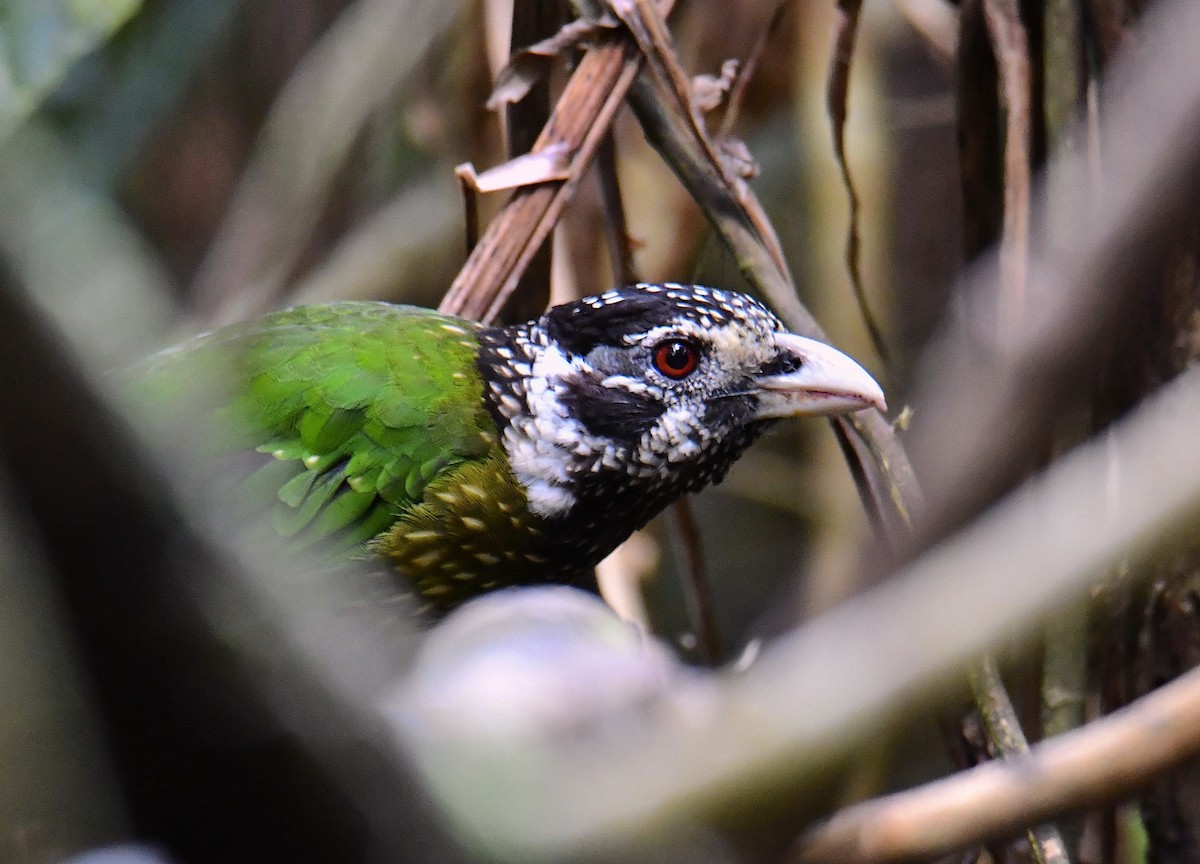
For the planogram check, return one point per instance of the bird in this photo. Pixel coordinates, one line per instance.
(464, 458)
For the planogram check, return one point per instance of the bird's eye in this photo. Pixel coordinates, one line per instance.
(676, 358)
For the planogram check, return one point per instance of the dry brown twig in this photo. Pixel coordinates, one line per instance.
(580, 120)
(1100, 763)
(702, 608)
(620, 246)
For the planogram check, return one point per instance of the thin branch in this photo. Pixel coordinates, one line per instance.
(620, 247)
(1064, 60)
(1005, 733)
(995, 708)
(745, 72)
(1101, 763)
(1011, 46)
(837, 94)
(470, 200)
(702, 609)
(1064, 671)
(1064, 689)
(980, 138)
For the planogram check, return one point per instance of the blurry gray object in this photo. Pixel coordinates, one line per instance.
(528, 664)
(121, 855)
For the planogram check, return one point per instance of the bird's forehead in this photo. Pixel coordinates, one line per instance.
(699, 303)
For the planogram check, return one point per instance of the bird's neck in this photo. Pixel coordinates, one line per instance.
(610, 505)
(523, 373)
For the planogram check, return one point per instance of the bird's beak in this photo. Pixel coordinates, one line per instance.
(826, 382)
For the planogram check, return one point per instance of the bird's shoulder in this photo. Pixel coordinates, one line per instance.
(352, 408)
(472, 532)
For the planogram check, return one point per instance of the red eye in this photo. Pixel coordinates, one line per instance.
(676, 359)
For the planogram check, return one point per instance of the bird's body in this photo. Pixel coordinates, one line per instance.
(470, 458)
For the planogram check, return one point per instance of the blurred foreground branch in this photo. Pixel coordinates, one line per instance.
(1092, 247)
(215, 674)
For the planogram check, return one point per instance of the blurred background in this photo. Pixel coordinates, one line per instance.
(167, 166)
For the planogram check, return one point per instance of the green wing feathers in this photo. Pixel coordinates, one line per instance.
(354, 408)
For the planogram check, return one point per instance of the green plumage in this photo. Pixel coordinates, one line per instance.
(371, 424)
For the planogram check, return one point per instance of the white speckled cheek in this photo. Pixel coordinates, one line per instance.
(546, 448)
(676, 437)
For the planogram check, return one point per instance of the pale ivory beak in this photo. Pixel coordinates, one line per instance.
(827, 382)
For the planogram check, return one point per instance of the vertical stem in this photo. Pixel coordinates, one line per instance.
(1004, 733)
(1064, 673)
(619, 248)
(837, 97)
(1011, 45)
(1064, 71)
(698, 590)
(532, 21)
(1064, 76)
